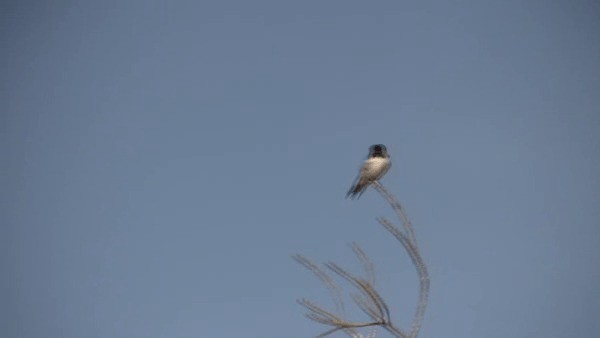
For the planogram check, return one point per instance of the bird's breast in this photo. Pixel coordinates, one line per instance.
(376, 167)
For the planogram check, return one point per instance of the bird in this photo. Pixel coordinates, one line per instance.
(376, 165)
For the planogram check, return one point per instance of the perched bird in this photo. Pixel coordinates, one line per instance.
(376, 165)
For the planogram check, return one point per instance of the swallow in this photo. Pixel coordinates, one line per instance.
(376, 165)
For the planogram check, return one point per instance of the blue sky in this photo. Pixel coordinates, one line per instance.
(161, 161)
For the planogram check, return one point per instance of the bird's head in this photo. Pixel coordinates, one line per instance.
(378, 150)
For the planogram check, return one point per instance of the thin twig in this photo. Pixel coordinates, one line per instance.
(365, 261)
(398, 209)
(368, 299)
(334, 290)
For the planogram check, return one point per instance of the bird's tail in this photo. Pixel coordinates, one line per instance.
(357, 189)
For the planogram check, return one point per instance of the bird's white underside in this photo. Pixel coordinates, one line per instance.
(374, 168)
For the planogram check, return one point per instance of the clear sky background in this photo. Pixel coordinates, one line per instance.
(161, 161)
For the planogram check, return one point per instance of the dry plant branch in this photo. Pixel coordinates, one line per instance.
(367, 298)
